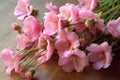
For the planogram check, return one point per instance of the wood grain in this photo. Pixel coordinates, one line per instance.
(50, 70)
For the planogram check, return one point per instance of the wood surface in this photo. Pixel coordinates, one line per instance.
(50, 70)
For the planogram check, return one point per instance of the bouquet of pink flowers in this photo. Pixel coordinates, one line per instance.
(77, 34)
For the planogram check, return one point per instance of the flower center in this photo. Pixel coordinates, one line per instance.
(101, 56)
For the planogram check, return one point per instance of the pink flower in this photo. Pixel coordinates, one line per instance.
(88, 4)
(45, 43)
(100, 55)
(11, 60)
(23, 9)
(113, 27)
(50, 23)
(73, 59)
(32, 28)
(69, 12)
(92, 21)
(52, 8)
(24, 41)
(67, 41)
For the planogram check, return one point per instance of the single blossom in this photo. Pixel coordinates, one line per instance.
(50, 23)
(100, 55)
(11, 60)
(32, 28)
(91, 21)
(45, 43)
(73, 60)
(23, 9)
(66, 41)
(69, 12)
(52, 8)
(24, 41)
(88, 4)
(113, 27)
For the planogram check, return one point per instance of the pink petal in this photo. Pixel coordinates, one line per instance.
(68, 68)
(50, 23)
(108, 60)
(99, 64)
(105, 46)
(93, 57)
(9, 70)
(94, 48)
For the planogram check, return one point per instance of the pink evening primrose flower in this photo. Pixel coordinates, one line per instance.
(50, 23)
(11, 60)
(52, 8)
(23, 9)
(32, 28)
(113, 27)
(45, 43)
(88, 4)
(73, 59)
(100, 55)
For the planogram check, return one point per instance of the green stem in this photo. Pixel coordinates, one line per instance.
(109, 11)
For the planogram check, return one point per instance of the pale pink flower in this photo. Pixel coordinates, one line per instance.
(52, 8)
(23, 9)
(93, 25)
(88, 4)
(11, 60)
(50, 23)
(67, 41)
(113, 27)
(45, 43)
(32, 28)
(73, 59)
(100, 55)
(24, 41)
(69, 12)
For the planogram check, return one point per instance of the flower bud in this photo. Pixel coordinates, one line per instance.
(90, 22)
(29, 73)
(15, 26)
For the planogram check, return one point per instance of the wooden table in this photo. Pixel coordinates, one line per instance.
(49, 70)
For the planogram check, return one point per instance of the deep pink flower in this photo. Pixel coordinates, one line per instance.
(50, 23)
(45, 43)
(23, 9)
(52, 8)
(88, 4)
(100, 55)
(113, 27)
(73, 59)
(67, 41)
(24, 41)
(11, 60)
(32, 28)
